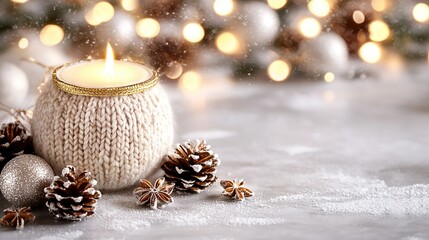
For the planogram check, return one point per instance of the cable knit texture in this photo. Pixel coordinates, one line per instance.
(118, 139)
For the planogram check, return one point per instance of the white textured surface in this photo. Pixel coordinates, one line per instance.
(347, 160)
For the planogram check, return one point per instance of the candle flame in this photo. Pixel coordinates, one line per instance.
(110, 61)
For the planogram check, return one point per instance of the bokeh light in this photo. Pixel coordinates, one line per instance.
(329, 77)
(358, 17)
(193, 32)
(278, 70)
(103, 12)
(23, 43)
(421, 12)
(19, 1)
(129, 5)
(310, 27)
(223, 7)
(228, 43)
(378, 31)
(190, 81)
(51, 35)
(276, 4)
(320, 8)
(148, 28)
(370, 52)
(90, 19)
(379, 5)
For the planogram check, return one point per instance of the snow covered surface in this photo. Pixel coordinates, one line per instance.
(347, 160)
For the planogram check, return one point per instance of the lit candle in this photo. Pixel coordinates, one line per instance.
(104, 77)
(108, 117)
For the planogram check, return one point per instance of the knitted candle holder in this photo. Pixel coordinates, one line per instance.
(119, 139)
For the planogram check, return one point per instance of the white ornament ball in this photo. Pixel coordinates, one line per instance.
(259, 23)
(13, 84)
(23, 179)
(325, 53)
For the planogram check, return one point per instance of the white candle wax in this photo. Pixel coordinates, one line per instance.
(93, 74)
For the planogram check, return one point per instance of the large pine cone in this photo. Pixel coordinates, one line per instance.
(72, 197)
(14, 140)
(192, 167)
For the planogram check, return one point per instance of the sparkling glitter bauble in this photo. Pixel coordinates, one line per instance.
(23, 179)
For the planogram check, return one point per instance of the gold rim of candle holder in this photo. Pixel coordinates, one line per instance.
(104, 92)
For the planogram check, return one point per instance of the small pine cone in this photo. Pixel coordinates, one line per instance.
(72, 197)
(17, 218)
(14, 140)
(192, 167)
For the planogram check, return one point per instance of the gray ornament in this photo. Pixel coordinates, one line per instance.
(23, 179)
(260, 24)
(13, 84)
(325, 53)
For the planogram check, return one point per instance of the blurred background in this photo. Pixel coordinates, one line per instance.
(190, 41)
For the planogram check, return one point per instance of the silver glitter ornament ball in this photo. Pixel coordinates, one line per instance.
(23, 179)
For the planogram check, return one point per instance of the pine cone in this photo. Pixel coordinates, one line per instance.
(17, 217)
(72, 197)
(192, 167)
(14, 140)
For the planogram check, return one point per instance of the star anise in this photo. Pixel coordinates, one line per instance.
(156, 195)
(17, 217)
(235, 189)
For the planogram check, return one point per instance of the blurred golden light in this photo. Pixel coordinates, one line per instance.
(278, 70)
(103, 12)
(193, 32)
(378, 31)
(228, 43)
(310, 27)
(148, 28)
(370, 52)
(358, 17)
(276, 4)
(51, 35)
(421, 12)
(320, 8)
(329, 77)
(90, 19)
(223, 7)
(174, 70)
(23, 43)
(379, 5)
(19, 1)
(190, 81)
(130, 5)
